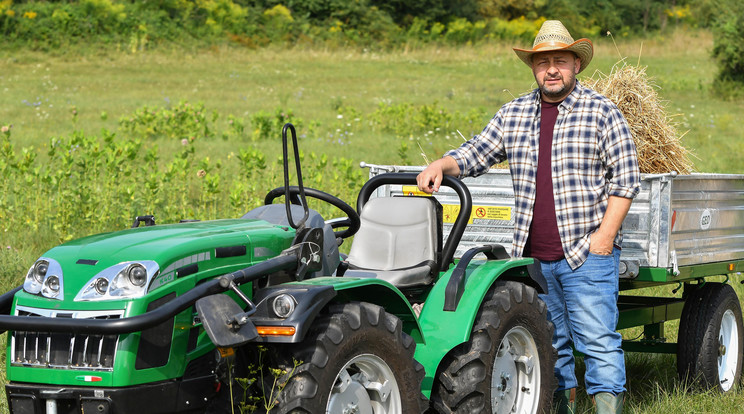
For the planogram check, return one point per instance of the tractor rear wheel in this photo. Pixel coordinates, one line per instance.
(507, 365)
(355, 359)
(710, 346)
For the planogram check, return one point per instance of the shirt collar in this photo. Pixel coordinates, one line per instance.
(568, 103)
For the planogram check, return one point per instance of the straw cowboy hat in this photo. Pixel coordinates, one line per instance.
(554, 36)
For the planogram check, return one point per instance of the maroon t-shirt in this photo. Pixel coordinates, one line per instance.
(544, 242)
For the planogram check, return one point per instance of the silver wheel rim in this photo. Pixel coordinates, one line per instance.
(515, 379)
(728, 350)
(365, 385)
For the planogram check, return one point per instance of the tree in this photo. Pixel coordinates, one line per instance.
(728, 49)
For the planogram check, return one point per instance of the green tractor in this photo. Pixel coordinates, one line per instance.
(164, 318)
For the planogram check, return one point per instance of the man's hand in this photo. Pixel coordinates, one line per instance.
(601, 241)
(601, 244)
(430, 179)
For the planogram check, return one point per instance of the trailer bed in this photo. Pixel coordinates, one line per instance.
(678, 226)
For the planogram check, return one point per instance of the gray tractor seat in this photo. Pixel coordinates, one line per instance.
(400, 241)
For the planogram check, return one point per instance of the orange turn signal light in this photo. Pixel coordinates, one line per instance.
(226, 352)
(276, 330)
(731, 267)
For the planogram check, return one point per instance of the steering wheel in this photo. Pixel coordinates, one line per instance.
(351, 221)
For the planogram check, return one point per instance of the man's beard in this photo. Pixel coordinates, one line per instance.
(557, 93)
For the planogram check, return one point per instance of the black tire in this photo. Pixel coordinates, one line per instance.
(710, 344)
(351, 339)
(473, 377)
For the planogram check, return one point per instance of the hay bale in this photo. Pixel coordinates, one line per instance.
(654, 132)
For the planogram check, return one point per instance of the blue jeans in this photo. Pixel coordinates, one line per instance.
(582, 304)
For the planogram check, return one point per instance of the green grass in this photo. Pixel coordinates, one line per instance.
(39, 92)
(313, 83)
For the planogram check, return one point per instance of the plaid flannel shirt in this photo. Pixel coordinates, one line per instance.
(593, 157)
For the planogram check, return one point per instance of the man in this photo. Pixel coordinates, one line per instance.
(575, 172)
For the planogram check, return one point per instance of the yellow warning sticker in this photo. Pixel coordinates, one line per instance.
(450, 211)
(412, 190)
(479, 213)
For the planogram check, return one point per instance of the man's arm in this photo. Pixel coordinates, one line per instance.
(429, 180)
(601, 240)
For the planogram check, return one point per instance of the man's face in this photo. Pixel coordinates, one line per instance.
(555, 73)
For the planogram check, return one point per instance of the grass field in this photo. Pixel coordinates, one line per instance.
(39, 92)
(337, 95)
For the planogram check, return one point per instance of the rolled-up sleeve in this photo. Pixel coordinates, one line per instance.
(477, 155)
(620, 156)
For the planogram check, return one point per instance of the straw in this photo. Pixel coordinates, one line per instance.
(654, 132)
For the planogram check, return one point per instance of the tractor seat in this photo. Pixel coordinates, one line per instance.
(400, 241)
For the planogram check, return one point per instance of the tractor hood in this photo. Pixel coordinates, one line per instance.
(130, 263)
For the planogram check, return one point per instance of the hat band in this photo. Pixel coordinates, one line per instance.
(560, 45)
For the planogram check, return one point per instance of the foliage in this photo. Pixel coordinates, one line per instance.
(135, 26)
(88, 184)
(267, 125)
(261, 379)
(404, 120)
(185, 121)
(728, 49)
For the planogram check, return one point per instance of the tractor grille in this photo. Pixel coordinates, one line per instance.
(64, 350)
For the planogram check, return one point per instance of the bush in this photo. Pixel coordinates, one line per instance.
(185, 121)
(136, 26)
(728, 49)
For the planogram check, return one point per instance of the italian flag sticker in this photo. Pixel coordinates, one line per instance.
(88, 378)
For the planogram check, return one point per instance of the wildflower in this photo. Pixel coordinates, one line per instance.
(184, 142)
(201, 173)
(340, 116)
(5, 129)
(29, 15)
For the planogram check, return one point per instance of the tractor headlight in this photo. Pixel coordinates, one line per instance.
(283, 305)
(45, 278)
(51, 287)
(101, 285)
(121, 281)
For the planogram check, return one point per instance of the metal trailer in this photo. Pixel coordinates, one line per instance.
(681, 230)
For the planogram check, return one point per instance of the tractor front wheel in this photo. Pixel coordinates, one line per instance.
(355, 359)
(507, 365)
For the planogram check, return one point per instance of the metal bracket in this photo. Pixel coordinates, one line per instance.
(675, 267)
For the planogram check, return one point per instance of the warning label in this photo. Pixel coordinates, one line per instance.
(412, 190)
(479, 213)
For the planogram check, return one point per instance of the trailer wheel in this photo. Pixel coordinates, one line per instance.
(355, 359)
(711, 338)
(507, 365)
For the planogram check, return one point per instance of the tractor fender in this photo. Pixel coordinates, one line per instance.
(313, 295)
(443, 329)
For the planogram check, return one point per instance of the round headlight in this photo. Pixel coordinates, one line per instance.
(52, 282)
(137, 275)
(283, 305)
(40, 269)
(101, 285)
(51, 286)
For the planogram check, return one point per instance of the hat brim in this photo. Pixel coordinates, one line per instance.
(583, 48)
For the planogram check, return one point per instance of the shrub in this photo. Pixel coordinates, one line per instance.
(184, 121)
(728, 49)
(267, 125)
